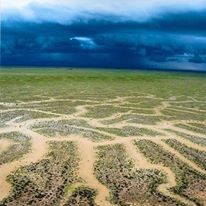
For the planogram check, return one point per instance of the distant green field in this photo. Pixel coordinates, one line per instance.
(27, 84)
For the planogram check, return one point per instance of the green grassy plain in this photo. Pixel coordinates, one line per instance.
(28, 84)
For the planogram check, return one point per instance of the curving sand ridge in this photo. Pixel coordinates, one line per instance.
(88, 157)
(4, 144)
(178, 129)
(87, 147)
(38, 150)
(87, 154)
(183, 141)
(142, 163)
(180, 156)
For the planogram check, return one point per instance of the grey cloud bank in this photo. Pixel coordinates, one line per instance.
(123, 34)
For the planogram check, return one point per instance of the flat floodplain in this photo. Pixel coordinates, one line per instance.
(73, 137)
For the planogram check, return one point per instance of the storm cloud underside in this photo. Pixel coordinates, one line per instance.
(155, 34)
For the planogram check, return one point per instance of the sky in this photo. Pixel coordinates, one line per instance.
(136, 34)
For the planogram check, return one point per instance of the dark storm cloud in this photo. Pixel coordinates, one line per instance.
(169, 41)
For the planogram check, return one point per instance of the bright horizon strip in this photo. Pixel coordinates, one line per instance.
(135, 10)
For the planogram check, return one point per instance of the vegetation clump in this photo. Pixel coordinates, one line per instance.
(195, 155)
(20, 145)
(128, 185)
(43, 183)
(190, 183)
(82, 196)
(128, 131)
